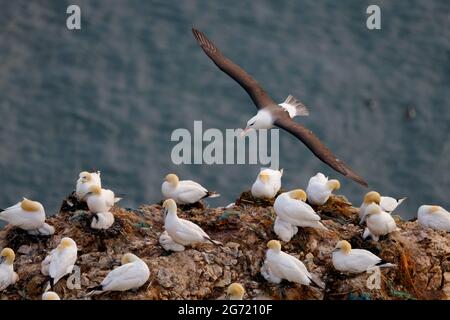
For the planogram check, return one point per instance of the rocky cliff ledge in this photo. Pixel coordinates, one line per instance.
(203, 272)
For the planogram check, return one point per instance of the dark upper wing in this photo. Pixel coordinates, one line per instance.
(260, 98)
(317, 147)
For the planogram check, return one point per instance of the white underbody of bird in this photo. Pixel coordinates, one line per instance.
(387, 204)
(320, 189)
(102, 220)
(7, 275)
(267, 184)
(378, 223)
(100, 200)
(184, 191)
(85, 181)
(169, 244)
(284, 230)
(434, 217)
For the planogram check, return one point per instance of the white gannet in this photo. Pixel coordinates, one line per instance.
(168, 244)
(235, 291)
(7, 274)
(434, 217)
(85, 181)
(346, 259)
(378, 222)
(271, 113)
(291, 207)
(102, 220)
(279, 265)
(100, 200)
(387, 204)
(267, 184)
(185, 191)
(50, 295)
(132, 274)
(60, 261)
(284, 230)
(320, 188)
(27, 215)
(183, 231)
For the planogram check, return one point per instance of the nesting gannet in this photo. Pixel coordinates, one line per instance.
(185, 191)
(132, 274)
(168, 244)
(291, 208)
(50, 295)
(434, 217)
(279, 265)
(320, 188)
(100, 200)
(60, 261)
(102, 220)
(272, 114)
(378, 222)
(267, 184)
(27, 215)
(284, 230)
(183, 231)
(235, 291)
(7, 274)
(346, 259)
(85, 181)
(387, 204)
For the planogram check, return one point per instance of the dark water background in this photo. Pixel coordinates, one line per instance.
(108, 97)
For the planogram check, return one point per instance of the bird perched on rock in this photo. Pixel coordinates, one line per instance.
(182, 231)
(378, 222)
(100, 200)
(387, 204)
(169, 244)
(132, 274)
(102, 220)
(267, 184)
(320, 188)
(60, 261)
(434, 217)
(346, 259)
(28, 215)
(284, 230)
(7, 274)
(292, 208)
(185, 191)
(235, 291)
(279, 265)
(50, 295)
(85, 181)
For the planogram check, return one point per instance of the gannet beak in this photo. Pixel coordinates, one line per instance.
(245, 131)
(2, 259)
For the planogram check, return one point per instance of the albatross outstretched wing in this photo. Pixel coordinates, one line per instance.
(260, 98)
(317, 147)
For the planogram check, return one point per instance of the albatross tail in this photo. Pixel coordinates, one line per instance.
(211, 194)
(294, 107)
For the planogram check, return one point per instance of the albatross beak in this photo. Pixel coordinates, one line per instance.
(245, 131)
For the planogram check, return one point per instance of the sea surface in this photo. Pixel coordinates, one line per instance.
(108, 97)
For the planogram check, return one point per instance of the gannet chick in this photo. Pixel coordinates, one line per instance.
(7, 274)
(235, 291)
(50, 295)
(85, 181)
(185, 191)
(183, 231)
(379, 222)
(284, 230)
(320, 188)
(27, 215)
(434, 217)
(60, 261)
(132, 274)
(102, 220)
(100, 200)
(279, 265)
(45, 230)
(267, 184)
(346, 259)
(387, 204)
(291, 208)
(168, 244)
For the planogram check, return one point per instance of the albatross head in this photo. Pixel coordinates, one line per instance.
(262, 120)
(8, 256)
(128, 258)
(275, 245)
(373, 209)
(50, 295)
(298, 194)
(169, 206)
(343, 245)
(264, 176)
(31, 206)
(371, 197)
(334, 184)
(235, 291)
(85, 176)
(66, 243)
(172, 179)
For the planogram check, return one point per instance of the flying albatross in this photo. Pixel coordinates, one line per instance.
(271, 113)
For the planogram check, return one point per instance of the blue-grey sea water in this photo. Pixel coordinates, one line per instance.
(108, 96)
